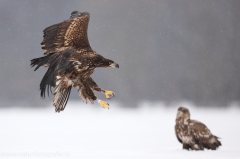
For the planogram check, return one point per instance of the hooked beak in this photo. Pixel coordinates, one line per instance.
(115, 65)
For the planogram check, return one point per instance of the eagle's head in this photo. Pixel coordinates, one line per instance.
(75, 14)
(100, 61)
(183, 113)
(108, 63)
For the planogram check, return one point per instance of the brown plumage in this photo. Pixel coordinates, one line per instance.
(194, 134)
(70, 61)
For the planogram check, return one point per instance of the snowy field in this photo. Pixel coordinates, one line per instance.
(88, 131)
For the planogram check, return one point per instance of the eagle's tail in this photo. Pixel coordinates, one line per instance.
(213, 143)
(62, 92)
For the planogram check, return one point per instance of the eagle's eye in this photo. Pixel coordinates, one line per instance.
(109, 63)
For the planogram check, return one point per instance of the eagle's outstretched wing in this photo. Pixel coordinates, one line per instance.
(69, 33)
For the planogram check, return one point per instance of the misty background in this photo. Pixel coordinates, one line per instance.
(168, 51)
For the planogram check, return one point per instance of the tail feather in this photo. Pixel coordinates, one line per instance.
(213, 143)
(218, 143)
(61, 96)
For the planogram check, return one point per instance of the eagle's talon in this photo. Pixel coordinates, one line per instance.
(104, 104)
(109, 94)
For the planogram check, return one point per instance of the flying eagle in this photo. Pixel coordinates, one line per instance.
(70, 61)
(194, 134)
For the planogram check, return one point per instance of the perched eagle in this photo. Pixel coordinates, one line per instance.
(194, 134)
(70, 61)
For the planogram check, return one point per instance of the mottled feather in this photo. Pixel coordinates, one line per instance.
(69, 33)
(194, 134)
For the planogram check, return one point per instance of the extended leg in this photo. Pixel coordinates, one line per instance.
(103, 103)
(94, 86)
(88, 95)
(108, 94)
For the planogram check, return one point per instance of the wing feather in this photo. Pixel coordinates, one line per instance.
(58, 63)
(199, 130)
(49, 36)
(69, 33)
(176, 133)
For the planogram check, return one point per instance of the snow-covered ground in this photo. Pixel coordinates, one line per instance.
(89, 131)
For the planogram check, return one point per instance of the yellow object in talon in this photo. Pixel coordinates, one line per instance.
(109, 94)
(103, 104)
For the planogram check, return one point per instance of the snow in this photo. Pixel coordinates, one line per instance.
(89, 131)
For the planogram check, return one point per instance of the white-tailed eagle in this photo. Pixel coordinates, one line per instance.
(194, 134)
(70, 61)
